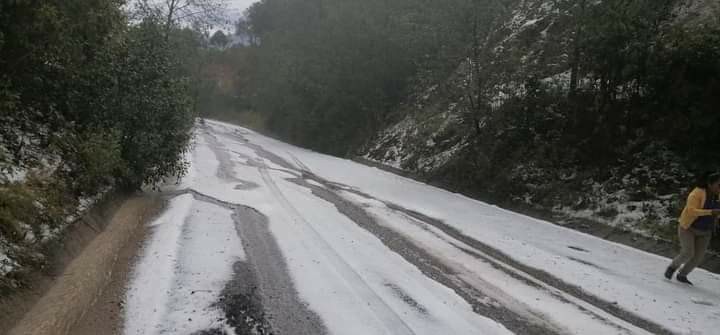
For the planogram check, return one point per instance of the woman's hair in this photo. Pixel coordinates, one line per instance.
(708, 178)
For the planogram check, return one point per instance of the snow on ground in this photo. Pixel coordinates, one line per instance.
(359, 281)
(392, 143)
(333, 262)
(630, 278)
(373, 275)
(15, 176)
(440, 159)
(696, 12)
(6, 263)
(560, 81)
(398, 146)
(524, 295)
(183, 270)
(630, 215)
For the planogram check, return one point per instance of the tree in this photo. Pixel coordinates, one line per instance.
(45, 52)
(244, 31)
(579, 19)
(155, 110)
(219, 39)
(77, 78)
(90, 101)
(197, 13)
(484, 19)
(328, 73)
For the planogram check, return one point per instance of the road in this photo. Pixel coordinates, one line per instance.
(261, 237)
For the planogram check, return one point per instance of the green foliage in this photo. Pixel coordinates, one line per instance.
(99, 160)
(219, 39)
(154, 113)
(38, 204)
(88, 101)
(77, 77)
(30, 213)
(224, 82)
(685, 87)
(328, 72)
(16, 205)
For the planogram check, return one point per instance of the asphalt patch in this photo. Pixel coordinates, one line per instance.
(242, 303)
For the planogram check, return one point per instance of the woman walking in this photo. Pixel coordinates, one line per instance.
(697, 223)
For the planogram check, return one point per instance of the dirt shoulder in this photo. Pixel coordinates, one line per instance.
(105, 316)
(89, 264)
(14, 306)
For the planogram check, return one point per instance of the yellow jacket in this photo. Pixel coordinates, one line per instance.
(694, 208)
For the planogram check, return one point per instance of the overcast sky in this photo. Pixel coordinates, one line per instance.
(236, 9)
(238, 6)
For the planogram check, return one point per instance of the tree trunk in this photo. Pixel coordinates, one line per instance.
(172, 5)
(575, 63)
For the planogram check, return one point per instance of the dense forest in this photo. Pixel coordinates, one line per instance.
(594, 109)
(328, 73)
(92, 100)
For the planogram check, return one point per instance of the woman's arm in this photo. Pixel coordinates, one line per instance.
(695, 205)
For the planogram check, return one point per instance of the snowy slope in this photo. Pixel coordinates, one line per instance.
(436, 137)
(362, 251)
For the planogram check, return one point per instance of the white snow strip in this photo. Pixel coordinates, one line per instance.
(153, 276)
(6, 263)
(16, 176)
(183, 269)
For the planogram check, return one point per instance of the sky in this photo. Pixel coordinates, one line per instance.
(238, 6)
(235, 11)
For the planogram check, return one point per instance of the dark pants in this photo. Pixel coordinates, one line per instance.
(693, 244)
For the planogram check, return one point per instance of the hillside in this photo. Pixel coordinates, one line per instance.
(580, 111)
(528, 149)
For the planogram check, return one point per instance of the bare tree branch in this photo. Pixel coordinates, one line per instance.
(201, 13)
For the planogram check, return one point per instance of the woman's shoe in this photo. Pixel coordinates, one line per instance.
(670, 272)
(683, 279)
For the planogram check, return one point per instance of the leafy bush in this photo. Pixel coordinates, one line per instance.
(98, 162)
(87, 101)
(110, 99)
(155, 112)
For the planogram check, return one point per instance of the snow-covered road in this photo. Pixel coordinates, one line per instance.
(262, 237)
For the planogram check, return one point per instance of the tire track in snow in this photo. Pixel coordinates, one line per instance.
(530, 281)
(225, 169)
(481, 301)
(533, 277)
(530, 275)
(564, 291)
(261, 297)
(284, 310)
(515, 269)
(429, 265)
(486, 252)
(387, 317)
